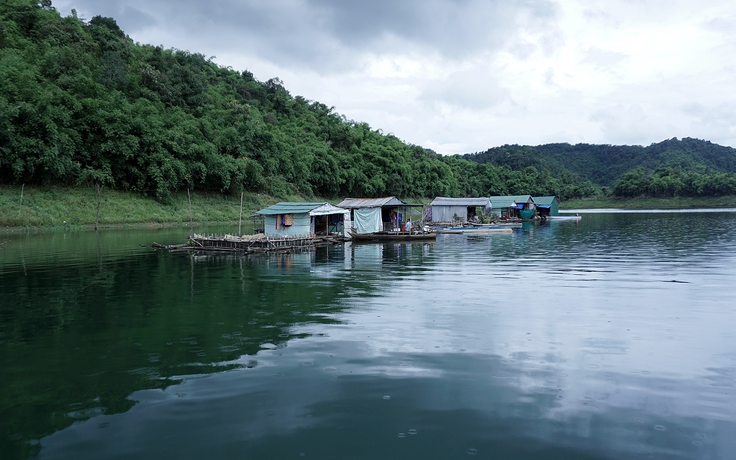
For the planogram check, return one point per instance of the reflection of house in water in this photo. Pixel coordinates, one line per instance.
(372, 215)
(375, 257)
(458, 209)
(364, 256)
(518, 206)
(295, 219)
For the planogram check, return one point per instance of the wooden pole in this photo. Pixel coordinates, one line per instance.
(240, 221)
(99, 202)
(20, 206)
(191, 231)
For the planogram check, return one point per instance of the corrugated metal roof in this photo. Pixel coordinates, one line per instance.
(327, 209)
(509, 200)
(290, 207)
(544, 200)
(353, 203)
(443, 201)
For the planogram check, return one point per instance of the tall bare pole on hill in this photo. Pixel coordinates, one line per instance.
(240, 221)
(99, 202)
(189, 195)
(20, 206)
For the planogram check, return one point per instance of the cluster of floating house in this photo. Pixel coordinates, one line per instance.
(523, 207)
(289, 225)
(369, 216)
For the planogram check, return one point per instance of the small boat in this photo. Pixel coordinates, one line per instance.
(501, 225)
(473, 230)
(393, 236)
(576, 217)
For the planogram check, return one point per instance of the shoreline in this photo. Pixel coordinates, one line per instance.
(105, 227)
(53, 208)
(650, 203)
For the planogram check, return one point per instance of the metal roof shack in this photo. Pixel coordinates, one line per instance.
(445, 209)
(297, 219)
(358, 203)
(373, 215)
(547, 206)
(513, 205)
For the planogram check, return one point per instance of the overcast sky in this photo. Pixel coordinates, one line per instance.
(462, 76)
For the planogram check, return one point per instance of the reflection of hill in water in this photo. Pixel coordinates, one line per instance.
(472, 338)
(77, 339)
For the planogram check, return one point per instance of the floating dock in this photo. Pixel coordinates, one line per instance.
(251, 244)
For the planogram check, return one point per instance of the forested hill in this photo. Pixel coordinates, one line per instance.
(604, 165)
(82, 104)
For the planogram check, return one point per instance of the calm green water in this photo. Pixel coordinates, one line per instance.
(609, 338)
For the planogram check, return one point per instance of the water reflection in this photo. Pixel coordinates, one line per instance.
(607, 338)
(79, 339)
(496, 407)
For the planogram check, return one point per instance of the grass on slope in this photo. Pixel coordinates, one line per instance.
(64, 207)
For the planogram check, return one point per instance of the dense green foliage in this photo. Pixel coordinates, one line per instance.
(686, 167)
(674, 182)
(81, 103)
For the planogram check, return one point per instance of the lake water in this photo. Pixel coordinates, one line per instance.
(612, 337)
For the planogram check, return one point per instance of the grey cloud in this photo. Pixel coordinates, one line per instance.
(135, 16)
(624, 124)
(724, 25)
(130, 18)
(328, 34)
(466, 90)
(719, 118)
(522, 50)
(454, 28)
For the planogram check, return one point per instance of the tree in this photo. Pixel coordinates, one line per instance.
(633, 183)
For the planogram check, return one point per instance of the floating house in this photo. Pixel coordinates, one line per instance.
(302, 220)
(458, 209)
(373, 215)
(547, 206)
(513, 206)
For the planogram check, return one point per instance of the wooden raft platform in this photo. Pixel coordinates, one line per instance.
(250, 244)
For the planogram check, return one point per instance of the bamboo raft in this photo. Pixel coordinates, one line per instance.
(250, 244)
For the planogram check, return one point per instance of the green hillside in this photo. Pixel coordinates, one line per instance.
(82, 105)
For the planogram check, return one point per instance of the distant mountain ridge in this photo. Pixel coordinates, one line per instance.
(604, 165)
